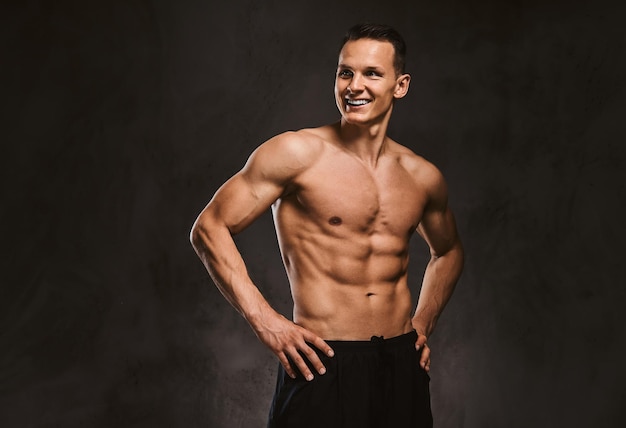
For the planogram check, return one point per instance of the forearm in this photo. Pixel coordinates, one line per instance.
(216, 248)
(440, 278)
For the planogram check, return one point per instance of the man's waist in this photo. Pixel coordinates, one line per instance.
(357, 330)
(375, 342)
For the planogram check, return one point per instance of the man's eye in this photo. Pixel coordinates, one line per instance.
(371, 73)
(344, 73)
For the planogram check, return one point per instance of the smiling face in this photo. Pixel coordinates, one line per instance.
(367, 83)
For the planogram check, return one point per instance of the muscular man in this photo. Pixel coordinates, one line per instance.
(346, 199)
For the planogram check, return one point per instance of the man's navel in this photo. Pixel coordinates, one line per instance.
(335, 221)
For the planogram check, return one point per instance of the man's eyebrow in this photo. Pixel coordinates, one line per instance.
(368, 68)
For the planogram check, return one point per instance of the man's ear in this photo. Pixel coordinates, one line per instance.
(402, 85)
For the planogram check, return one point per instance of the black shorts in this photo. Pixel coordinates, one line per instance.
(368, 384)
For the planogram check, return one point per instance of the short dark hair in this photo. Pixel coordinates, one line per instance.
(379, 32)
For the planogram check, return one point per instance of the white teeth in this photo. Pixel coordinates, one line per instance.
(357, 102)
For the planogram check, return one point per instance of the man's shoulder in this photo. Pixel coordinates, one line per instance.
(411, 161)
(424, 172)
(301, 144)
(287, 154)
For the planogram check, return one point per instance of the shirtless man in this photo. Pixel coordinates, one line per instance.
(346, 199)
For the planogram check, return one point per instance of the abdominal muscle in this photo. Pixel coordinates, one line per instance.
(336, 311)
(348, 287)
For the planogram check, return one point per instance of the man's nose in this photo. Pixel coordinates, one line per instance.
(356, 84)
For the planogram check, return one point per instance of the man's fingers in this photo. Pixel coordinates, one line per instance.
(323, 346)
(312, 356)
(425, 358)
(285, 363)
(420, 342)
(296, 353)
(301, 365)
(314, 359)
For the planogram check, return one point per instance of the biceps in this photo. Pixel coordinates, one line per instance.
(240, 201)
(438, 229)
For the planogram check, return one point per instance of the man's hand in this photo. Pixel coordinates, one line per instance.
(425, 357)
(288, 341)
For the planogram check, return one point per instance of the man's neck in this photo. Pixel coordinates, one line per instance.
(366, 142)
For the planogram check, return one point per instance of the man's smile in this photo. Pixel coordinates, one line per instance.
(357, 103)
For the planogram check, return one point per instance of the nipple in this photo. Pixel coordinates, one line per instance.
(335, 221)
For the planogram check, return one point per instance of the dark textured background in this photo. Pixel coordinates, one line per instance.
(120, 119)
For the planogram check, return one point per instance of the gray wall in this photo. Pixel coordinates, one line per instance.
(120, 119)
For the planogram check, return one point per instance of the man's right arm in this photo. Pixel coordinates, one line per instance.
(240, 201)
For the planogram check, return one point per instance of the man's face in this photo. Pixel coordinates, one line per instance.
(366, 82)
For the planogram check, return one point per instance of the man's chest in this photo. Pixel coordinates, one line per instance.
(386, 200)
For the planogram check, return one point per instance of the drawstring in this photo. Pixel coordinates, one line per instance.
(384, 378)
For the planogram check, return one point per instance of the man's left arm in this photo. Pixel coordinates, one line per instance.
(438, 229)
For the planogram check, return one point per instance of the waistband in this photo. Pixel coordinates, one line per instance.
(375, 343)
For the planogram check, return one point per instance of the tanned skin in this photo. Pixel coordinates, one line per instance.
(346, 200)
